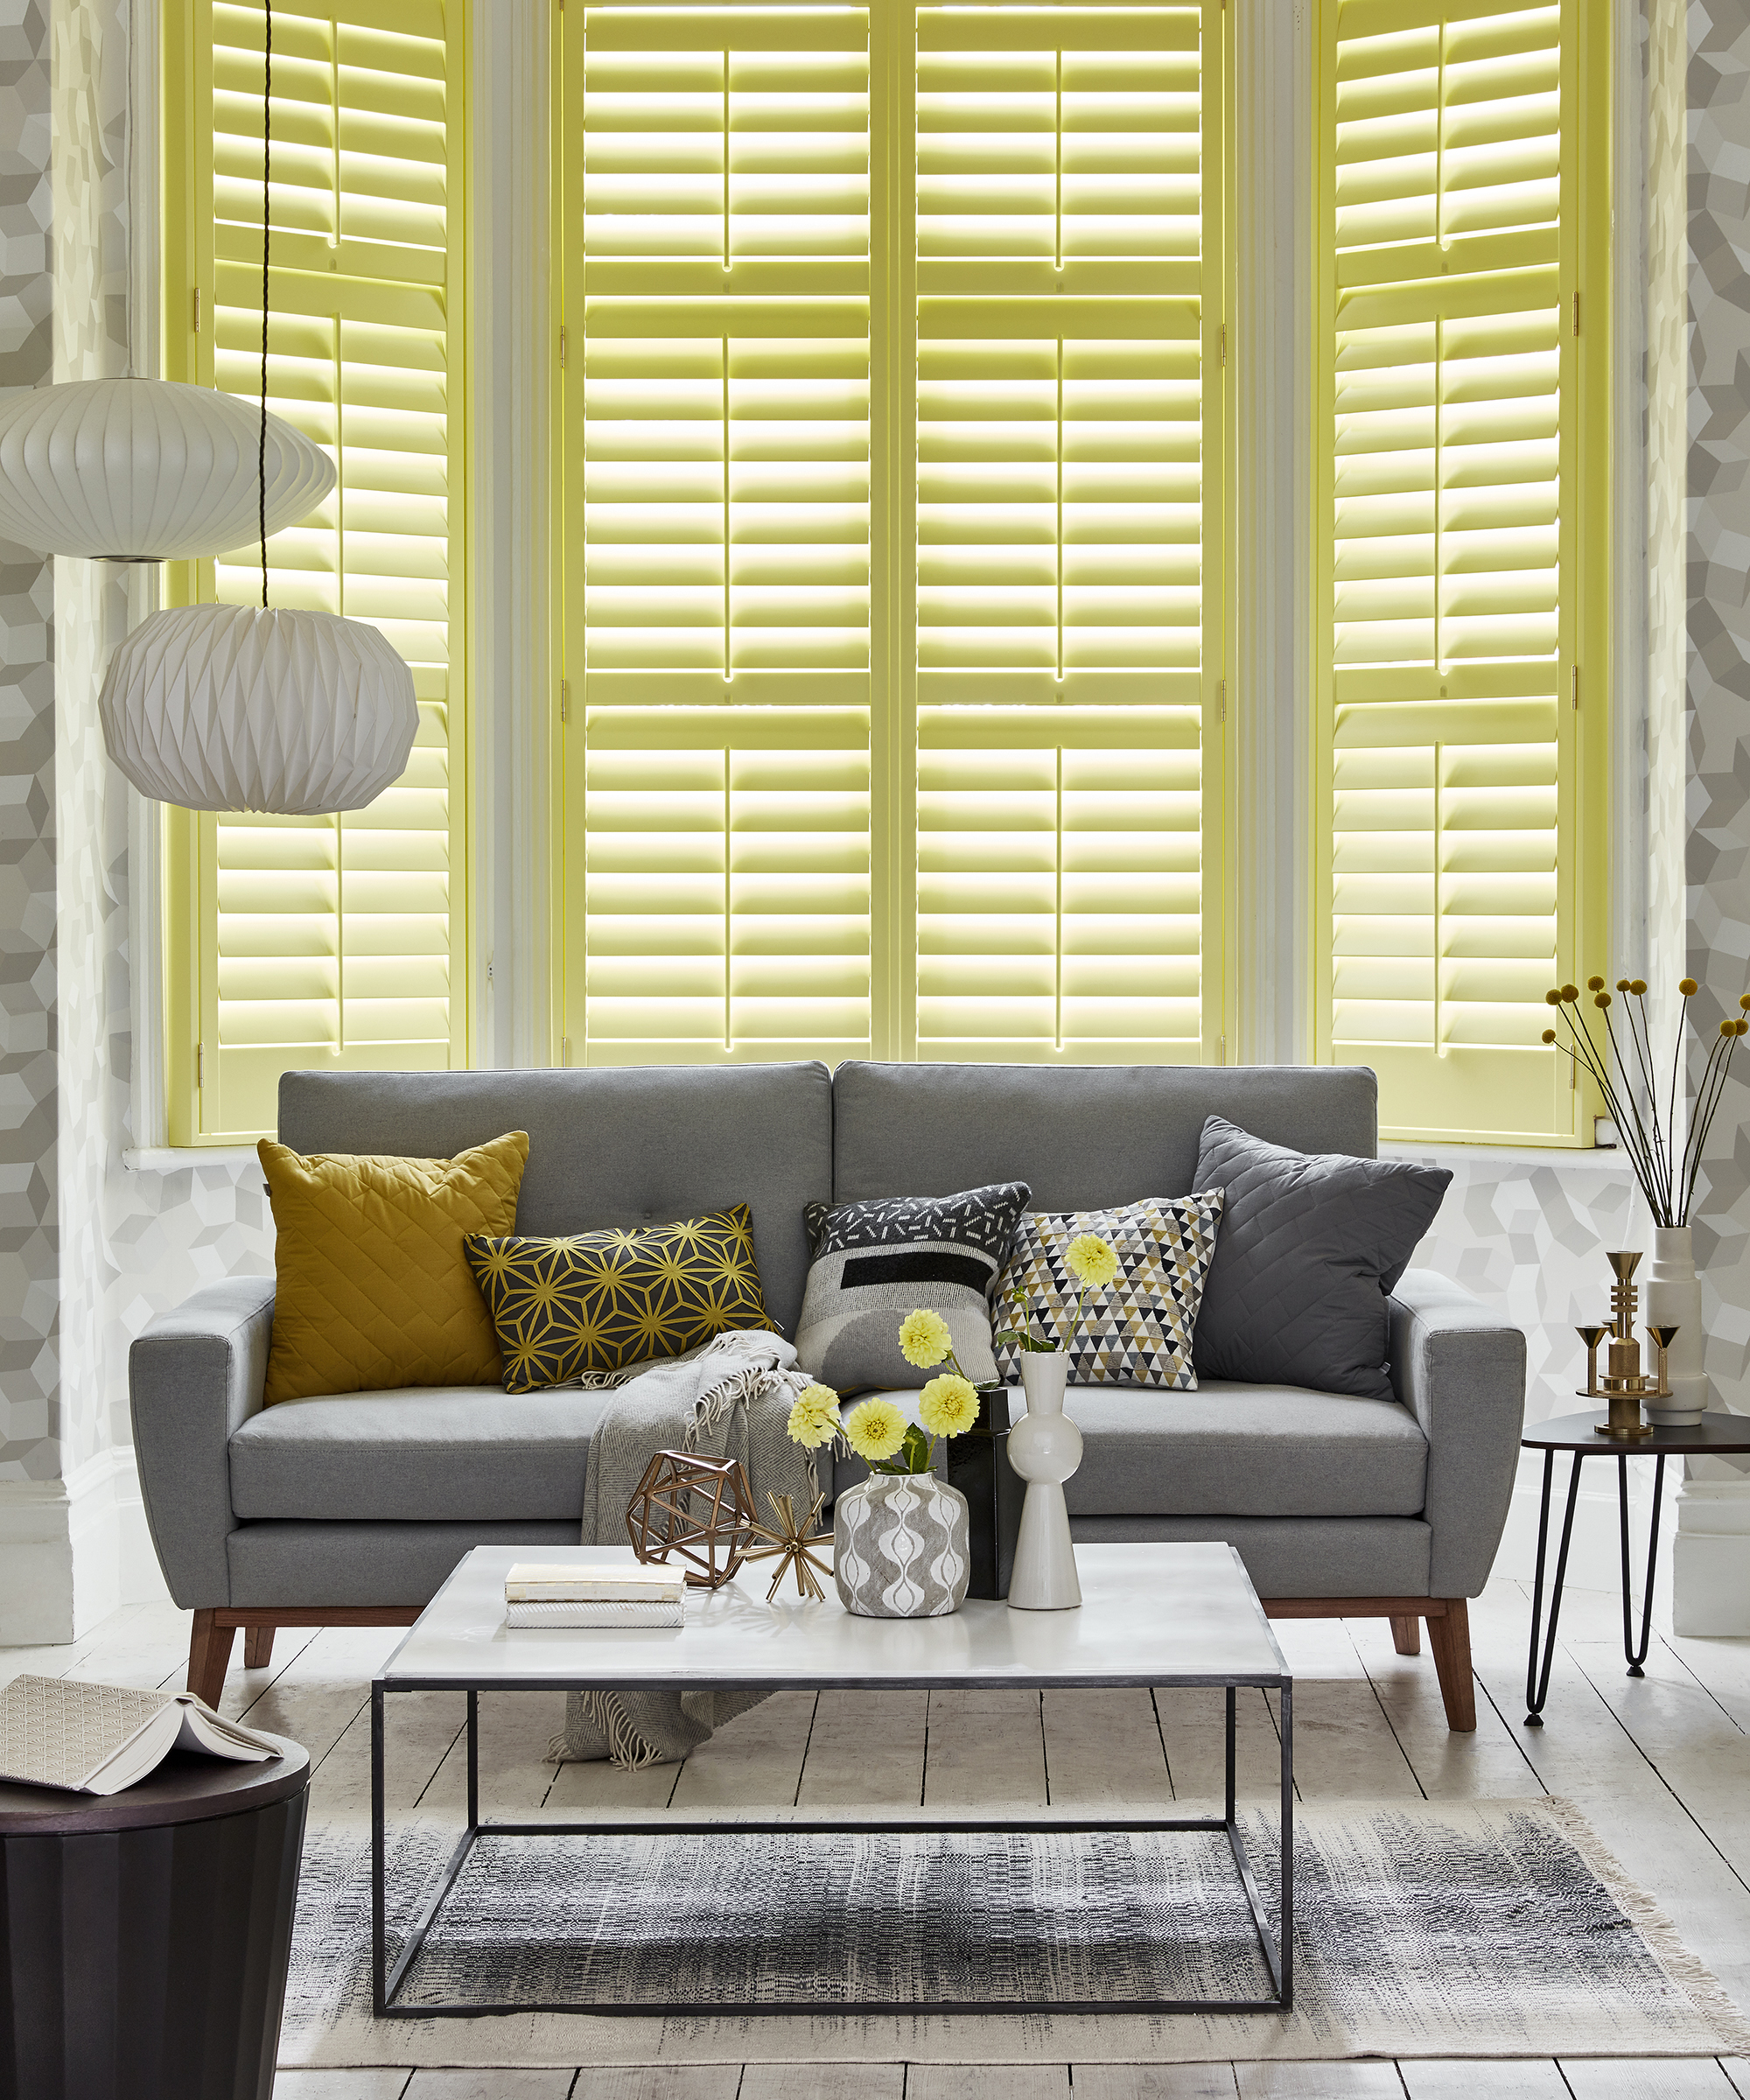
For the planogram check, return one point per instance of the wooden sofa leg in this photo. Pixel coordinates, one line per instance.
(258, 1647)
(1406, 1635)
(1450, 1637)
(209, 1654)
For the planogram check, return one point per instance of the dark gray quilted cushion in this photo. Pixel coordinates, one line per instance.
(1309, 1245)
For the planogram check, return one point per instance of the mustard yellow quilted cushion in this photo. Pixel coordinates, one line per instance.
(374, 1288)
(600, 1301)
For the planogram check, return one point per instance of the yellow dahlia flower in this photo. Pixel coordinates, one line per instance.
(949, 1405)
(924, 1338)
(875, 1429)
(1091, 1260)
(813, 1419)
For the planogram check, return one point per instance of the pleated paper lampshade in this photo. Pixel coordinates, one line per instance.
(149, 469)
(236, 707)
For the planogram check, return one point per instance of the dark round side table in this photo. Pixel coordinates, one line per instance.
(144, 1935)
(1713, 1436)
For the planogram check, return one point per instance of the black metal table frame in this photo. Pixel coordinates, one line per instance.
(386, 1978)
(1536, 1681)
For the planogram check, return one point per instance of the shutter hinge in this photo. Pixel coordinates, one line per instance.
(488, 973)
(562, 349)
(1222, 699)
(197, 310)
(1577, 689)
(1221, 1050)
(565, 1049)
(1224, 346)
(1576, 313)
(200, 1067)
(564, 700)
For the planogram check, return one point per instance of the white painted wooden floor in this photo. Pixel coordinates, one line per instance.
(1662, 1766)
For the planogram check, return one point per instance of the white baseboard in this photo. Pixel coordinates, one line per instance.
(73, 1550)
(1713, 1558)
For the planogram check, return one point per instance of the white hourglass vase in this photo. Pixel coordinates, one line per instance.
(1044, 1448)
(1672, 1298)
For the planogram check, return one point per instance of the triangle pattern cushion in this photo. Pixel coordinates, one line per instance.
(1137, 1330)
(1310, 1244)
(373, 1289)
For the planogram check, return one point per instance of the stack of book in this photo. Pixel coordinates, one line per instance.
(613, 1594)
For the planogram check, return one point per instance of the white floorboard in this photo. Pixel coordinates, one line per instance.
(1660, 1765)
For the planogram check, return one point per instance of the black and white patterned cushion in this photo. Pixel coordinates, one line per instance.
(878, 1260)
(1137, 1330)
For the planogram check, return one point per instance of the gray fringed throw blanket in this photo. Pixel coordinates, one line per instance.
(731, 1399)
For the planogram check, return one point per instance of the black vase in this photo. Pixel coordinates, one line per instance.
(978, 1466)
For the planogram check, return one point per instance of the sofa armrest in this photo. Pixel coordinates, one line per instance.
(1461, 1371)
(194, 1377)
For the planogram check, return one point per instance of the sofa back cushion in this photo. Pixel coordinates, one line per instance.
(1082, 1137)
(642, 1145)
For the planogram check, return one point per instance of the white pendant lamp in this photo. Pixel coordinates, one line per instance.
(149, 469)
(239, 707)
(235, 707)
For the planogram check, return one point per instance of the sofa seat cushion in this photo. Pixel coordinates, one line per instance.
(421, 1454)
(1231, 1450)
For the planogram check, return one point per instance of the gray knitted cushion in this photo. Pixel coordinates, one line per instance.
(1309, 1245)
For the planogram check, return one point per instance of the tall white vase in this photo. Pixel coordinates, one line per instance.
(1672, 1299)
(1044, 1448)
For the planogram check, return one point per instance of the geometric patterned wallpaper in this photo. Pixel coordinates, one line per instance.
(29, 1296)
(1718, 551)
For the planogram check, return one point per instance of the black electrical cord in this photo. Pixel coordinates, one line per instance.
(267, 210)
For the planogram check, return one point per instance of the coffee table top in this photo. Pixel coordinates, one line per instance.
(1150, 1615)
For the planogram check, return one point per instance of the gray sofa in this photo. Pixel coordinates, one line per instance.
(353, 1510)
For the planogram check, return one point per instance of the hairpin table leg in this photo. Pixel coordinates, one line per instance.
(1537, 1685)
(1636, 1657)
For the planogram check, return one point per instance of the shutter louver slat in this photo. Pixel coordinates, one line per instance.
(718, 488)
(1450, 562)
(334, 935)
(1063, 533)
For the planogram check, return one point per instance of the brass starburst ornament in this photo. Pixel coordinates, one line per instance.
(789, 1540)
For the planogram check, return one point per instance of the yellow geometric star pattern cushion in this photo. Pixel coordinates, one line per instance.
(373, 1289)
(600, 1301)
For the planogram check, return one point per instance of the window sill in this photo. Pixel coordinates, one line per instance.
(1594, 1160)
(171, 1159)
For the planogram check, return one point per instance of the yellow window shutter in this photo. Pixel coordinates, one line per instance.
(1069, 447)
(1456, 565)
(334, 942)
(717, 605)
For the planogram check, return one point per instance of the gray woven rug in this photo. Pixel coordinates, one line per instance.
(1488, 1929)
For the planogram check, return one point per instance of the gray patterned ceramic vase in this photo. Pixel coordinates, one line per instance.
(899, 1547)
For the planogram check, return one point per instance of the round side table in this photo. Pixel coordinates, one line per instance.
(1713, 1436)
(144, 1935)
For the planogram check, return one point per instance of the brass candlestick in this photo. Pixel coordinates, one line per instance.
(1624, 1385)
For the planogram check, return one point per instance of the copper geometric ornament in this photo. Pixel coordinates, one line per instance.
(699, 1509)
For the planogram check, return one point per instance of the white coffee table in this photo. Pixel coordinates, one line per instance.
(1167, 1615)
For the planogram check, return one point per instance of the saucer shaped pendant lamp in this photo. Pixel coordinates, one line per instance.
(287, 713)
(149, 469)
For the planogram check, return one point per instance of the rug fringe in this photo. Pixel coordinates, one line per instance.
(1687, 1970)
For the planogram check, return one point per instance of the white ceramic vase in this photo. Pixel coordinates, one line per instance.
(1672, 1299)
(1044, 1448)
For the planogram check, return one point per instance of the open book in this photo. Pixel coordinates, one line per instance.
(97, 1738)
